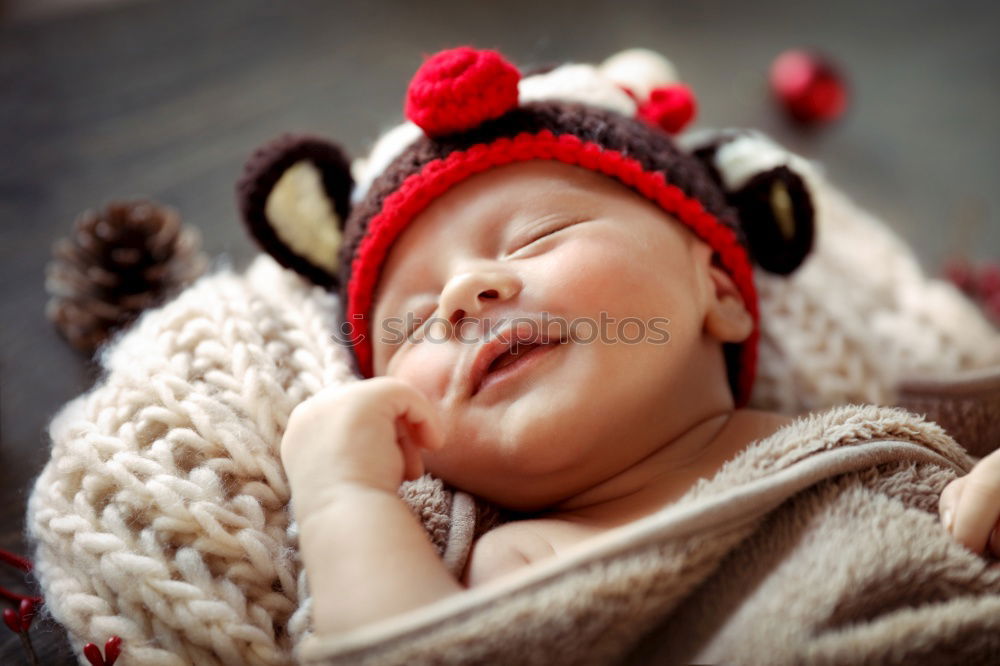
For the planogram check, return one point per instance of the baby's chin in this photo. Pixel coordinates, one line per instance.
(518, 496)
(523, 476)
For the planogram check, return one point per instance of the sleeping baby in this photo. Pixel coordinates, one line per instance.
(552, 308)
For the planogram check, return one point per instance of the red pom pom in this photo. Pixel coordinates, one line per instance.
(670, 108)
(809, 87)
(459, 89)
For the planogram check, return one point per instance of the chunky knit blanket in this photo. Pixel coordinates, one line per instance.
(162, 517)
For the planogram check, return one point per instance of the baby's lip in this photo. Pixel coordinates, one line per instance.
(522, 333)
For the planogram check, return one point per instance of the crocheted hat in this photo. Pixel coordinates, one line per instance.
(471, 110)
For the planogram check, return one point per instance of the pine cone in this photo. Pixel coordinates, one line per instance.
(128, 257)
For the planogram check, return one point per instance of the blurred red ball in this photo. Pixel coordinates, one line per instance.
(992, 307)
(989, 280)
(961, 273)
(809, 88)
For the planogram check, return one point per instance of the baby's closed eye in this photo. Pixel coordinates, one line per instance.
(537, 233)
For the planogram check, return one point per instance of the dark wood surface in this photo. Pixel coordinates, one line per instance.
(166, 99)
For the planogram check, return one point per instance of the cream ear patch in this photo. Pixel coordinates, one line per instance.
(302, 217)
(782, 209)
(295, 197)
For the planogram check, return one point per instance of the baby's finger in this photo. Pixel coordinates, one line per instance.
(421, 413)
(977, 509)
(994, 546)
(428, 435)
(413, 464)
(949, 501)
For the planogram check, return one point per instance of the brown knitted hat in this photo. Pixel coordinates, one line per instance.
(467, 116)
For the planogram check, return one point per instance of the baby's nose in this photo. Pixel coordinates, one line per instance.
(486, 295)
(468, 294)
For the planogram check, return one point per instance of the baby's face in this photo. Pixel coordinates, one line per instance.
(553, 244)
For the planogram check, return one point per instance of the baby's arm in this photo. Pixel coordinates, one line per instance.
(345, 452)
(970, 506)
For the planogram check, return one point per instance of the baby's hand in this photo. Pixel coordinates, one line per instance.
(970, 507)
(365, 434)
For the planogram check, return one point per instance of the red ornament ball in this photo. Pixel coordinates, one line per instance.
(992, 307)
(670, 108)
(458, 89)
(808, 86)
(989, 280)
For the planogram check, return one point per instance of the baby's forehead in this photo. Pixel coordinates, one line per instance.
(499, 195)
(491, 207)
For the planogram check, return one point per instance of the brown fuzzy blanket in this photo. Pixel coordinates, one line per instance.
(820, 544)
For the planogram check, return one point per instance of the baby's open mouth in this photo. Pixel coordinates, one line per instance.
(511, 355)
(496, 355)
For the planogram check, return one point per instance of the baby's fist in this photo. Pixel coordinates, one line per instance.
(970, 507)
(363, 434)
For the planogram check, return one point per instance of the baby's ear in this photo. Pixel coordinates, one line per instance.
(727, 318)
(294, 196)
(769, 189)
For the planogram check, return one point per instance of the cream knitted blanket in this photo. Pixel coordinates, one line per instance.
(161, 516)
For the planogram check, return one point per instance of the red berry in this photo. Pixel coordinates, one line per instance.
(458, 89)
(112, 648)
(93, 655)
(12, 620)
(669, 107)
(27, 613)
(808, 86)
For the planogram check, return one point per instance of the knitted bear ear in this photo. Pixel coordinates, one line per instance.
(768, 187)
(294, 196)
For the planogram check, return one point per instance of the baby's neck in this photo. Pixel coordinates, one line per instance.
(664, 476)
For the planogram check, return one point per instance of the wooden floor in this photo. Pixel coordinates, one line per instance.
(166, 99)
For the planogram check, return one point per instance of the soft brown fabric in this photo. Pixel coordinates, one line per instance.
(965, 404)
(819, 544)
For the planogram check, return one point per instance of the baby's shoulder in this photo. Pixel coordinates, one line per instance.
(546, 536)
(516, 544)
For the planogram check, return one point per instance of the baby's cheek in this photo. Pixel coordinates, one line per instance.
(426, 366)
(603, 275)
